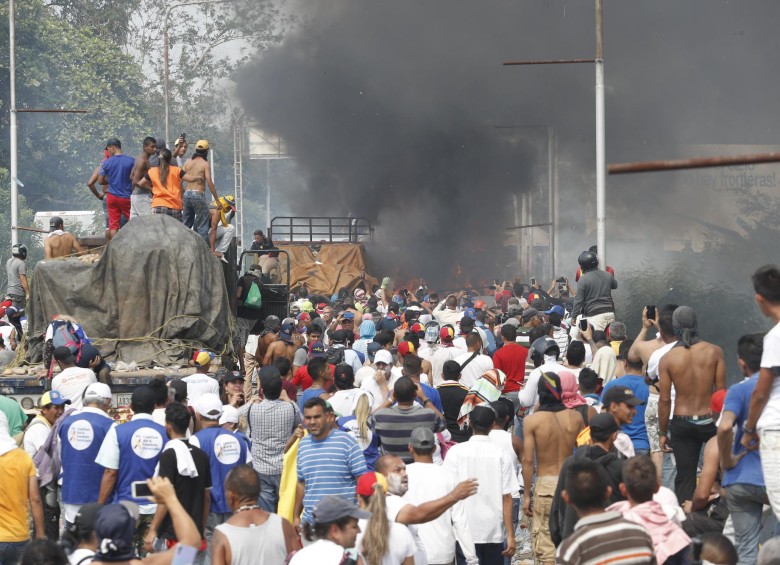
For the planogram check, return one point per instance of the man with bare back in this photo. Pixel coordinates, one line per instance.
(550, 436)
(284, 346)
(696, 369)
(58, 242)
(141, 198)
(196, 205)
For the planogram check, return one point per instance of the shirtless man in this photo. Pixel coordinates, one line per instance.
(196, 209)
(643, 348)
(59, 243)
(141, 199)
(696, 369)
(550, 435)
(285, 346)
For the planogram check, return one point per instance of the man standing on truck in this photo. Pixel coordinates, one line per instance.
(268, 261)
(116, 172)
(141, 198)
(196, 211)
(58, 242)
(17, 290)
(221, 231)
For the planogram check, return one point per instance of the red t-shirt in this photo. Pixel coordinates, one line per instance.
(511, 359)
(302, 378)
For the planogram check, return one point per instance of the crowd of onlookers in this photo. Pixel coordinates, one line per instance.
(386, 426)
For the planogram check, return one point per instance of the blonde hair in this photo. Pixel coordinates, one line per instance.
(362, 412)
(375, 542)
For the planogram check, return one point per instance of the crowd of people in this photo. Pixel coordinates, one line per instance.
(383, 426)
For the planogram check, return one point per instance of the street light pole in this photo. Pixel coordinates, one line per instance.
(12, 100)
(601, 165)
(166, 63)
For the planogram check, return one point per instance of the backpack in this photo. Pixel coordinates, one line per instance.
(65, 335)
(254, 298)
(335, 355)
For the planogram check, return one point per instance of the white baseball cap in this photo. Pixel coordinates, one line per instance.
(229, 415)
(383, 356)
(209, 405)
(97, 391)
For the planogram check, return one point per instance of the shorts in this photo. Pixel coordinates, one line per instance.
(541, 540)
(140, 203)
(175, 214)
(117, 207)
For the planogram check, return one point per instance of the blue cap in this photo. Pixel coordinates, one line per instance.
(349, 315)
(53, 397)
(470, 313)
(557, 309)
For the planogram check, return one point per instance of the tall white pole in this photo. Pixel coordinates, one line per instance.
(268, 194)
(601, 167)
(14, 171)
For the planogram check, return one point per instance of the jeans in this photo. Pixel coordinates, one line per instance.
(688, 438)
(746, 504)
(669, 471)
(195, 213)
(770, 464)
(10, 551)
(215, 519)
(269, 491)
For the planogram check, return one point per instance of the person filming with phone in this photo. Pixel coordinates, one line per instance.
(594, 295)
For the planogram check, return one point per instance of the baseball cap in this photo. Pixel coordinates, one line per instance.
(339, 336)
(717, 400)
(304, 316)
(422, 438)
(97, 391)
(557, 309)
(447, 334)
(530, 313)
(620, 394)
(229, 415)
(513, 322)
(317, 350)
(286, 332)
(384, 356)
(366, 482)
(233, 376)
(602, 426)
(202, 144)
(332, 508)
(405, 348)
(417, 328)
(53, 397)
(115, 528)
(349, 315)
(84, 522)
(113, 142)
(202, 358)
(470, 313)
(209, 405)
(371, 350)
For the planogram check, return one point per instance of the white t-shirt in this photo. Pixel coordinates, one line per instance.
(400, 543)
(343, 401)
(429, 482)
(439, 357)
(475, 368)
(5, 333)
(652, 368)
(72, 382)
(529, 395)
(503, 439)
(394, 506)
(79, 557)
(770, 417)
(365, 372)
(36, 435)
(321, 552)
(199, 384)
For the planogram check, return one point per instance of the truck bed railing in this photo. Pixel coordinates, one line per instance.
(332, 229)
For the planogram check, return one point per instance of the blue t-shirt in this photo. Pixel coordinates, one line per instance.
(433, 395)
(118, 168)
(310, 392)
(748, 470)
(636, 430)
(329, 466)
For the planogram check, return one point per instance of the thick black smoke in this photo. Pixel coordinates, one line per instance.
(392, 109)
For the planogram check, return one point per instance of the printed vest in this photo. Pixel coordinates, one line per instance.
(225, 451)
(140, 446)
(81, 436)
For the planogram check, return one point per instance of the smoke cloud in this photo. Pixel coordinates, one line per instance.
(398, 111)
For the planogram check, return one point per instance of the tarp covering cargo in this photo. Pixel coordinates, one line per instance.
(156, 292)
(327, 267)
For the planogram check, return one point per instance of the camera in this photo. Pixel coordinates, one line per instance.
(561, 280)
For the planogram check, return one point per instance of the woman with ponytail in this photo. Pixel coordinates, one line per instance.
(356, 425)
(381, 542)
(167, 190)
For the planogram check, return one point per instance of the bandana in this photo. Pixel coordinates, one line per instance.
(570, 395)
(686, 327)
(550, 395)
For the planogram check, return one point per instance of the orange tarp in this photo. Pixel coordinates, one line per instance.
(326, 267)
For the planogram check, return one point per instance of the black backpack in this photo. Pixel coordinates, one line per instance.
(335, 355)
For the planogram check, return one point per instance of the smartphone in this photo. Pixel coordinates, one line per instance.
(184, 555)
(650, 312)
(139, 489)
(533, 281)
(583, 324)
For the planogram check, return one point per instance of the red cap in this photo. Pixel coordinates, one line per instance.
(405, 348)
(366, 482)
(447, 334)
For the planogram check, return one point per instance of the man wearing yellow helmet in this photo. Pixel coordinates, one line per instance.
(195, 213)
(222, 231)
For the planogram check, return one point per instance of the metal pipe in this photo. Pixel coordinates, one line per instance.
(524, 227)
(13, 146)
(35, 111)
(601, 201)
(692, 163)
(549, 62)
(166, 62)
(268, 195)
(550, 214)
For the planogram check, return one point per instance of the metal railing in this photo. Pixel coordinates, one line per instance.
(332, 229)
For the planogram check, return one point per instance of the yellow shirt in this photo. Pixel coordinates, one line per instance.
(16, 468)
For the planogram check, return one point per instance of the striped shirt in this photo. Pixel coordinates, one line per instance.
(329, 467)
(606, 538)
(394, 427)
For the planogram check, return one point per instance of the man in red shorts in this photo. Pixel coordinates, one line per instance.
(116, 173)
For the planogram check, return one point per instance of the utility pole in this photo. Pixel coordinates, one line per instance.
(14, 172)
(601, 163)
